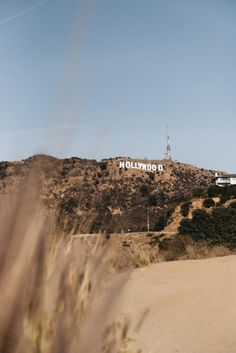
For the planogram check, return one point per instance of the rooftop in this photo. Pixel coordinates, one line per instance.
(226, 176)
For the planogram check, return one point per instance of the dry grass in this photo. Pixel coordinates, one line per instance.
(160, 249)
(201, 250)
(184, 248)
(140, 256)
(49, 287)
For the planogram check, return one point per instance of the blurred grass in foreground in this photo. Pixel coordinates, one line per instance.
(50, 286)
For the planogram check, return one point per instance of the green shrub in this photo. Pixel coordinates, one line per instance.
(208, 203)
(217, 228)
(185, 227)
(198, 226)
(225, 192)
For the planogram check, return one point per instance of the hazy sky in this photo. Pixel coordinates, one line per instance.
(103, 78)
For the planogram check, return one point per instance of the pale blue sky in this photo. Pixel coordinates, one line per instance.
(103, 78)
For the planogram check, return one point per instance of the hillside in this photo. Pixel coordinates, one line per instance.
(91, 196)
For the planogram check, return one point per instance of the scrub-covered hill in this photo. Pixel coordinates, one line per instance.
(110, 195)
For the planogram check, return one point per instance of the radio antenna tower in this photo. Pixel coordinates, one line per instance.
(167, 155)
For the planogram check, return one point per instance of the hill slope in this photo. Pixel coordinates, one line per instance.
(91, 196)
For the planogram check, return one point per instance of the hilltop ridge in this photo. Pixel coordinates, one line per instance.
(92, 196)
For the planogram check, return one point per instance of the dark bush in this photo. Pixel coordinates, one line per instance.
(102, 165)
(230, 190)
(214, 191)
(160, 224)
(68, 205)
(152, 200)
(106, 199)
(144, 190)
(151, 176)
(175, 248)
(208, 203)
(224, 198)
(216, 228)
(224, 191)
(199, 191)
(185, 227)
(161, 197)
(185, 207)
(169, 211)
(233, 205)
(3, 168)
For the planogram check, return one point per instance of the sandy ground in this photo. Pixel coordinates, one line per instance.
(192, 306)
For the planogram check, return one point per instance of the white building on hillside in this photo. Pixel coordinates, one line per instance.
(225, 180)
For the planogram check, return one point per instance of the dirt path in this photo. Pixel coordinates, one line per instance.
(192, 306)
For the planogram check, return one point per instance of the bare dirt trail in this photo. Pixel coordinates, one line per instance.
(192, 306)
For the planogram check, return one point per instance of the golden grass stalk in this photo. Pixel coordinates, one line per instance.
(51, 291)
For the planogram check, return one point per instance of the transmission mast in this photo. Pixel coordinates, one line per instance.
(167, 155)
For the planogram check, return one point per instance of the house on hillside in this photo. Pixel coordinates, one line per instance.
(225, 180)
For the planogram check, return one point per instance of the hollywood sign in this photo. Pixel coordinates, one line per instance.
(142, 166)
